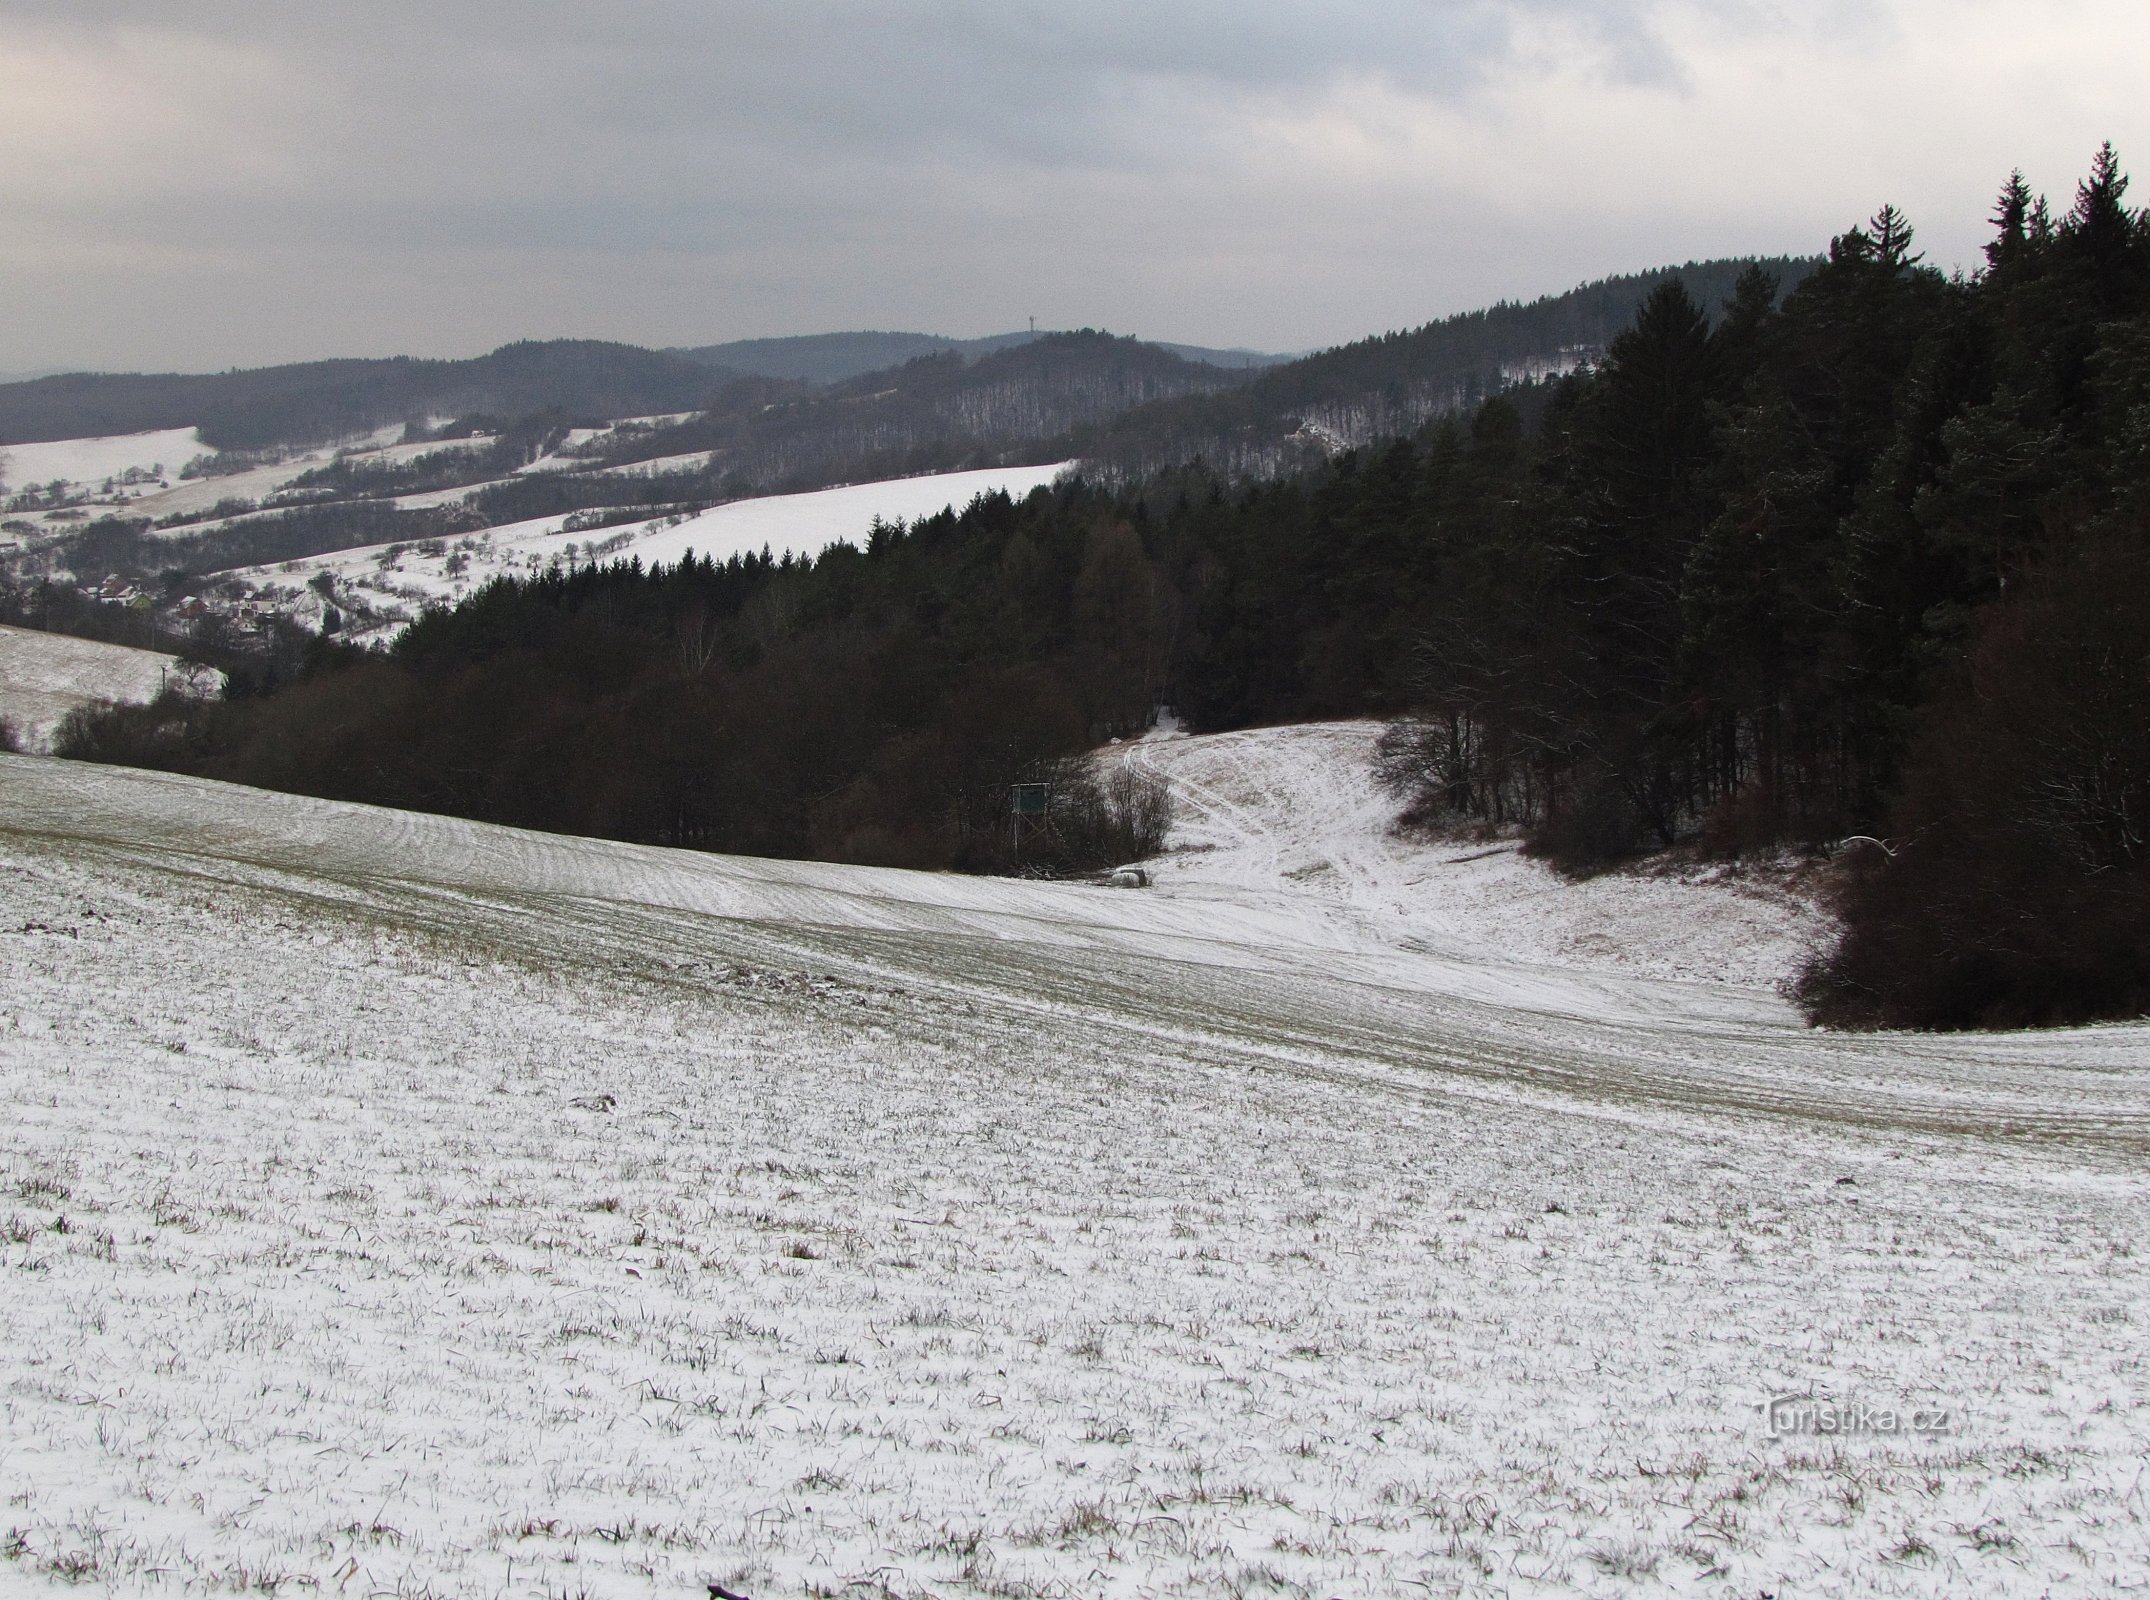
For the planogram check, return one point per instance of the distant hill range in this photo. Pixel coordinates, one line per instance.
(1017, 401)
(799, 412)
(316, 401)
(833, 357)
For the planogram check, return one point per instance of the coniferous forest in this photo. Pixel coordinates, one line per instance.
(1865, 559)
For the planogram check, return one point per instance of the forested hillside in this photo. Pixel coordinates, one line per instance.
(1294, 415)
(1866, 558)
(1021, 403)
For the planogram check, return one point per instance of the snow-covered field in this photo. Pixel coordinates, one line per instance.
(193, 497)
(396, 1205)
(91, 461)
(807, 524)
(87, 466)
(43, 676)
(390, 584)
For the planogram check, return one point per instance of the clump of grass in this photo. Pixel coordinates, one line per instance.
(1633, 1561)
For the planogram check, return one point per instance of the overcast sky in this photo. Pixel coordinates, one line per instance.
(231, 182)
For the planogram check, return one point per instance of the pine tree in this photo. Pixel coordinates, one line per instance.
(2011, 222)
(2099, 227)
(1736, 347)
(2105, 243)
(1892, 239)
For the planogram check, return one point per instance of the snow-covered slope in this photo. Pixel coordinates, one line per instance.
(43, 676)
(1295, 810)
(401, 1205)
(806, 524)
(91, 461)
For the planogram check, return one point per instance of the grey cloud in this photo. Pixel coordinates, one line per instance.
(1024, 76)
(380, 174)
(482, 113)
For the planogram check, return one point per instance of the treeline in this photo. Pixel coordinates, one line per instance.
(1870, 557)
(873, 706)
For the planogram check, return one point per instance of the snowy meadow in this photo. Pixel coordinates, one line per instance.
(401, 1206)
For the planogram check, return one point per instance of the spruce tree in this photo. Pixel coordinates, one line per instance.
(2011, 222)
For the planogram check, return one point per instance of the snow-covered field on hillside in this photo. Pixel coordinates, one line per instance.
(92, 461)
(395, 1205)
(43, 676)
(806, 524)
(89, 466)
(384, 586)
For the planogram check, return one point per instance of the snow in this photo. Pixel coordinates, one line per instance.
(393, 1204)
(656, 466)
(400, 455)
(43, 676)
(91, 461)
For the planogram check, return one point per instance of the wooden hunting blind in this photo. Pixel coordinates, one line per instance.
(1029, 803)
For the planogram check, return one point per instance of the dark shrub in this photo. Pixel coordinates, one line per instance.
(2020, 888)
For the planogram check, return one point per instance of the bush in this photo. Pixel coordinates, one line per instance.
(1596, 825)
(1102, 822)
(1138, 812)
(162, 734)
